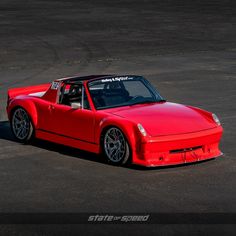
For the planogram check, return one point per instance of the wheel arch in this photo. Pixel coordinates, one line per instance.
(126, 127)
(28, 106)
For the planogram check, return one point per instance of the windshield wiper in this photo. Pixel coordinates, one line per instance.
(161, 100)
(147, 101)
(142, 102)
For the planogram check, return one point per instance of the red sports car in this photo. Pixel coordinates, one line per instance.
(122, 117)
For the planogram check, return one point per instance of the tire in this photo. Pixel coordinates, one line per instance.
(21, 125)
(115, 147)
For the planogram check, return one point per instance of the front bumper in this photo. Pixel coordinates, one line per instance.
(178, 149)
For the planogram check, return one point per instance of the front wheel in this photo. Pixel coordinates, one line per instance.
(115, 146)
(21, 125)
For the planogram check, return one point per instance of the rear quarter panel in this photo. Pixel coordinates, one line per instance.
(14, 92)
(26, 102)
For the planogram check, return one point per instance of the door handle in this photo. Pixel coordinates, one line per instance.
(51, 107)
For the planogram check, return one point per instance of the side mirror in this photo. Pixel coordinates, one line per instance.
(76, 105)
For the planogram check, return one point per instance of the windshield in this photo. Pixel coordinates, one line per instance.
(122, 91)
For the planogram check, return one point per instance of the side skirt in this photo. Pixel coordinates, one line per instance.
(67, 141)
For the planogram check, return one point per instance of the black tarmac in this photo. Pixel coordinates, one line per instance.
(187, 49)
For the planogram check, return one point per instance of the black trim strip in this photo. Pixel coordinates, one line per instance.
(50, 132)
(185, 149)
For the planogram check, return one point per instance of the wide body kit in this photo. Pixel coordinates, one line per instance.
(157, 132)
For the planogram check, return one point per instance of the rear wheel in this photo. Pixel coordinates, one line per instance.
(21, 125)
(115, 146)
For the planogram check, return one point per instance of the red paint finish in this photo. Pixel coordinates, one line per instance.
(175, 133)
(27, 90)
(165, 118)
(178, 149)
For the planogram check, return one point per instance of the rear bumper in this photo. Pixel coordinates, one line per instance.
(178, 149)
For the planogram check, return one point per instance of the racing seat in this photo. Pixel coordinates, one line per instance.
(74, 95)
(115, 96)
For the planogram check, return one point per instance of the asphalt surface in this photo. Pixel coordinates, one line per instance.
(187, 49)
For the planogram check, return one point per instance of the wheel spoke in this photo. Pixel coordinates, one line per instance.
(114, 144)
(18, 132)
(17, 120)
(20, 123)
(23, 131)
(110, 139)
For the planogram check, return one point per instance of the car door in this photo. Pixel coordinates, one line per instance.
(61, 119)
(73, 123)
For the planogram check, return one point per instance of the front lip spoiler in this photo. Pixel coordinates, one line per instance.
(178, 163)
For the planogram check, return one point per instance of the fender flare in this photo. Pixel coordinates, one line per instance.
(29, 107)
(127, 127)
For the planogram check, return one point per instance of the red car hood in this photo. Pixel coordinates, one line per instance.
(165, 118)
